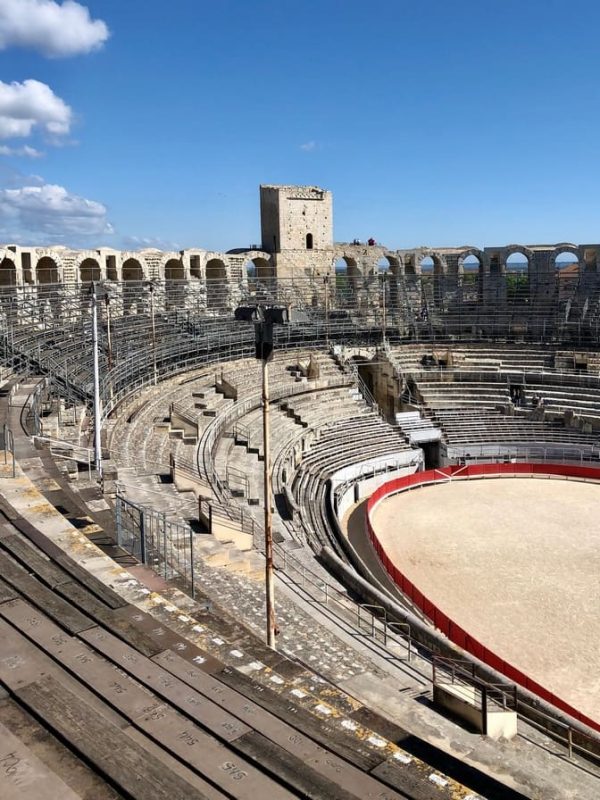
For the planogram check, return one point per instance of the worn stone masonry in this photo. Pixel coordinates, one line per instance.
(297, 243)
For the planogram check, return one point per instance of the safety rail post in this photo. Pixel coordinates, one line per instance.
(164, 530)
(143, 543)
(192, 573)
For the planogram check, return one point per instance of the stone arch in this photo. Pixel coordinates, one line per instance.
(517, 249)
(258, 268)
(132, 274)
(517, 276)
(89, 270)
(431, 263)
(470, 272)
(567, 270)
(388, 266)
(174, 270)
(384, 263)
(8, 273)
(432, 270)
(47, 271)
(216, 283)
(131, 270)
(467, 259)
(571, 255)
(347, 274)
(394, 265)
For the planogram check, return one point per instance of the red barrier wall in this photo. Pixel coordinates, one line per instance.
(448, 627)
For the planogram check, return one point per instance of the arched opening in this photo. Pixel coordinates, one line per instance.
(431, 279)
(216, 284)
(347, 275)
(133, 275)
(263, 270)
(567, 267)
(8, 274)
(565, 259)
(174, 283)
(132, 270)
(174, 270)
(471, 277)
(309, 241)
(389, 268)
(471, 263)
(89, 270)
(517, 277)
(46, 271)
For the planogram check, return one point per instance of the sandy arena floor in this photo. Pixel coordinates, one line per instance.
(514, 561)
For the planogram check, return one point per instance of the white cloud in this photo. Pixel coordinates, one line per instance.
(308, 146)
(49, 210)
(25, 152)
(32, 105)
(52, 28)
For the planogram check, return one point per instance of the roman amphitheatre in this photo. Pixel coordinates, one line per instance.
(426, 491)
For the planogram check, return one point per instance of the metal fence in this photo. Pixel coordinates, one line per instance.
(175, 326)
(165, 545)
(7, 444)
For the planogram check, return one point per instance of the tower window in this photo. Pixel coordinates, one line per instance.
(309, 241)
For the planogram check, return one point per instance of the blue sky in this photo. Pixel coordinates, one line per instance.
(136, 122)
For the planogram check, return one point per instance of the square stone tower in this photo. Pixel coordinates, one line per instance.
(297, 228)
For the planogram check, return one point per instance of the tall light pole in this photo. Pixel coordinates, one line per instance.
(384, 292)
(107, 299)
(108, 296)
(97, 404)
(326, 282)
(264, 318)
(151, 287)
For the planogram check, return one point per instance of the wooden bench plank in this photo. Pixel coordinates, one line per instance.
(320, 730)
(166, 639)
(169, 687)
(54, 754)
(165, 725)
(6, 592)
(231, 772)
(24, 777)
(31, 533)
(42, 597)
(132, 768)
(285, 734)
(33, 560)
(21, 663)
(103, 592)
(109, 618)
(296, 773)
(74, 655)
